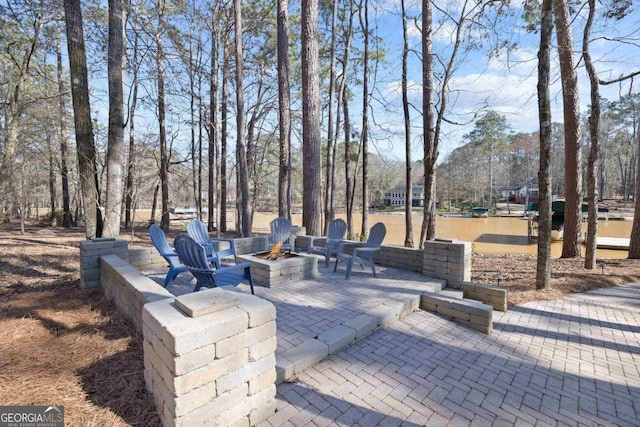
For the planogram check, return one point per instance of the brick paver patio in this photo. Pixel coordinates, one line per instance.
(571, 362)
(574, 361)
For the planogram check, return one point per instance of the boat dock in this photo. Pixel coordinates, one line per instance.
(612, 243)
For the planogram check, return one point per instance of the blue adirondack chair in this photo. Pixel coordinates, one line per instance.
(363, 251)
(335, 236)
(193, 256)
(159, 240)
(281, 233)
(198, 232)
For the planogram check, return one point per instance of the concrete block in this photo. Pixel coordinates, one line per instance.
(251, 370)
(217, 404)
(206, 302)
(337, 337)
(245, 339)
(384, 314)
(262, 381)
(284, 369)
(306, 354)
(210, 372)
(363, 324)
(262, 349)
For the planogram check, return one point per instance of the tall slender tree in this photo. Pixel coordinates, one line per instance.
(430, 149)
(408, 235)
(82, 119)
(311, 144)
(571, 111)
(284, 111)
(115, 149)
(364, 137)
(594, 135)
(543, 263)
(241, 150)
(67, 218)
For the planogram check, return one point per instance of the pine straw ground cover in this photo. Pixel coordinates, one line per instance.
(61, 345)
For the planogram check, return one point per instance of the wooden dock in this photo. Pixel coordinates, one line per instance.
(612, 243)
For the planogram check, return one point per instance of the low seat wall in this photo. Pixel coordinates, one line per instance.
(491, 295)
(128, 288)
(473, 314)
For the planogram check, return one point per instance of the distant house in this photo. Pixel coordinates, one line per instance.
(398, 196)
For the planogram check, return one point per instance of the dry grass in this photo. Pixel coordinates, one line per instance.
(567, 275)
(62, 345)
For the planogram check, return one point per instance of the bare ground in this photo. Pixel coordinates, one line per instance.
(62, 345)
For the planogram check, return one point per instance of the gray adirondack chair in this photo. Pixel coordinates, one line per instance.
(281, 233)
(198, 232)
(194, 257)
(159, 240)
(362, 251)
(335, 236)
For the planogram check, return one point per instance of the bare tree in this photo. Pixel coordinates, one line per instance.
(82, 119)
(284, 111)
(241, 150)
(594, 133)
(571, 110)
(408, 239)
(115, 150)
(364, 137)
(430, 140)
(64, 141)
(311, 144)
(132, 119)
(543, 266)
(164, 155)
(329, 181)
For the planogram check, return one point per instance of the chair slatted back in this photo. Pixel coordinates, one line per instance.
(280, 230)
(193, 255)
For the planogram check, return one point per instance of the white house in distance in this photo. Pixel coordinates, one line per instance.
(398, 196)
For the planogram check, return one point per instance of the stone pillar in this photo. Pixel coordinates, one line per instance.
(90, 253)
(209, 357)
(449, 260)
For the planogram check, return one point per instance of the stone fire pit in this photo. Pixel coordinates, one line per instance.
(290, 268)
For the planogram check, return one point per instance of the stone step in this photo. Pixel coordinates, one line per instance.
(452, 293)
(471, 313)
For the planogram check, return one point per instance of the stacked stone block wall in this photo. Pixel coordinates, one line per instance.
(210, 358)
(447, 260)
(128, 288)
(90, 253)
(492, 295)
(251, 245)
(473, 314)
(147, 259)
(400, 257)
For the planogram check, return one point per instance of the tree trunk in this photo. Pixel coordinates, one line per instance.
(571, 109)
(594, 131)
(213, 123)
(329, 212)
(82, 119)
(53, 196)
(223, 138)
(164, 156)
(543, 267)
(343, 97)
(284, 110)
(115, 150)
(64, 142)
(241, 150)
(311, 144)
(132, 116)
(364, 232)
(634, 244)
(408, 235)
(430, 152)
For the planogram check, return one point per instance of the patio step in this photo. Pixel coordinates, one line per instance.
(310, 352)
(471, 313)
(452, 293)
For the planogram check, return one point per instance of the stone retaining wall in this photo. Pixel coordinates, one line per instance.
(209, 357)
(448, 260)
(90, 253)
(473, 314)
(147, 259)
(492, 295)
(128, 288)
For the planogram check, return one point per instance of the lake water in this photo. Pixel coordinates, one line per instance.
(493, 235)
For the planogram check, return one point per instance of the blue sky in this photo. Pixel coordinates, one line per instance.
(505, 83)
